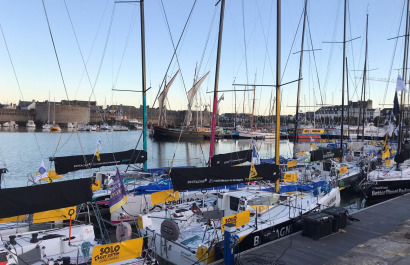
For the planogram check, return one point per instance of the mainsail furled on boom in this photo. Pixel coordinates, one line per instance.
(45, 197)
(212, 177)
(163, 96)
(191, 94)
(67, 164)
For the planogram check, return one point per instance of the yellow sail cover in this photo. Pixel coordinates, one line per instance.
(54, 215)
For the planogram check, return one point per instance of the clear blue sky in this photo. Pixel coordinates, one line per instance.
(25, 28)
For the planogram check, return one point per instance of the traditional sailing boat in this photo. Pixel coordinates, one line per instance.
(163, 132)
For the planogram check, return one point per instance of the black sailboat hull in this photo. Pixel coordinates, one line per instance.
(261, 237)
(351, 182)
(161, 133)
(383, 190)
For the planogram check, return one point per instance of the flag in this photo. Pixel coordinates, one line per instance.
(255, 154)
(391, 129)
(396, 107)
(42, 172)
(118, 194)
(97, 152)
(253, 172)
(400, 84)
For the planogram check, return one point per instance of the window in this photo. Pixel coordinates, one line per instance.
(233, 203)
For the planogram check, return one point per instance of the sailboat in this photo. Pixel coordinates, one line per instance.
(44, 239)
(192, 233)
(30, 123)
(393, 178)
(162, 132)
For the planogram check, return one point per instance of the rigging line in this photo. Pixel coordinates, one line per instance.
(207, 40)
(293, 43)
(179, 66)
(329, 62)
(84, 63)
(104, 51)
(266, 39)
(55, 52)
(92, 47)
(394, 52)
(249, 39)
(173, 45)
(314, 59)
(78, 45)
(133, 153)
(246, 56)
(175, 51)
(130, 29)
(351, 37)
(61, 74)
(18, 84)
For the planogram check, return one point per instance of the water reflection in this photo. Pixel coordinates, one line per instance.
(23, 150)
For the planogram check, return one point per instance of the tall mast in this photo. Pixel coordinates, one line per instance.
(253, 105)
(347, 91)
(364, 79)
(48, 118)
(215, 104)
(236, 114)
(278, 46)
(299, 81)
(300, 78)
(144, 86)
(343, 77)
(404, 76)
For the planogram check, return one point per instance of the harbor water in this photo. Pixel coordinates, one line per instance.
(21, 151)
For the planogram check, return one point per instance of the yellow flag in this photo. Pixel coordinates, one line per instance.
(97, 154)
(388, 162)
(386, 154)
(253, 172)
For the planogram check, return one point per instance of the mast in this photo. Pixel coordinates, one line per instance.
(343, 77)
(348, 103)
(300, 79)
(236, 114)
(196, 97)
(54, 112)
(364, 79)
(215, 103)
(144, 85)
(253, 105)
(161, 110)
(405, 57)
(278, 74)
(48, 116)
